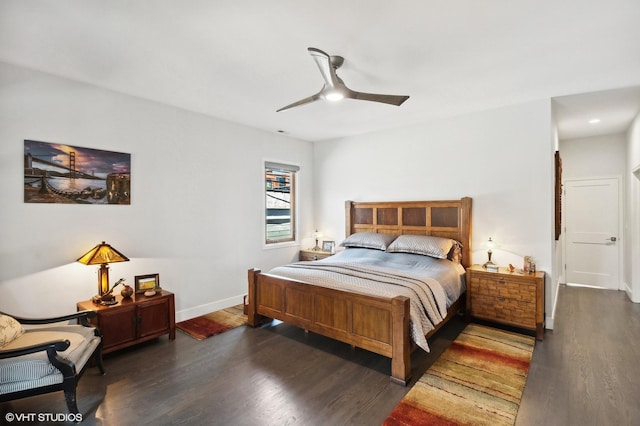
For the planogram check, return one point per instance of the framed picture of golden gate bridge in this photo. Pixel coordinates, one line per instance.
(59, 173)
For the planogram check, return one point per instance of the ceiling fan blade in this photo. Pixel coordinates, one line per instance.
(301, 102)
(334, 88)
(323, 60)
(387, 99)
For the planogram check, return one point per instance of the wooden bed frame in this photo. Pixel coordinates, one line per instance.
(377, 324)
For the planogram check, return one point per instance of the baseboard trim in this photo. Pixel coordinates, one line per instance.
(549, 318)
(196, 311)
(629, 292)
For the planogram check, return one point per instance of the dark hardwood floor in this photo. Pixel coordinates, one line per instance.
(585, 372)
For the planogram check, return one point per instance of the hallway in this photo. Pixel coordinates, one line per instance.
(587, 370)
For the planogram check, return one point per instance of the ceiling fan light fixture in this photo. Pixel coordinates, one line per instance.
(334, 96)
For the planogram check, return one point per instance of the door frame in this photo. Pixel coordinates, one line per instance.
(633, 286)
(620, 236)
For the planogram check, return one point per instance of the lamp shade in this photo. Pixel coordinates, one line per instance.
(102, 253)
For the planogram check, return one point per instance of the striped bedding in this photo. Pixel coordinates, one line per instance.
(431, 284)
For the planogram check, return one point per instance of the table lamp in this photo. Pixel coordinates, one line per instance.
(489, 265)
(317, 235)
(102, 255)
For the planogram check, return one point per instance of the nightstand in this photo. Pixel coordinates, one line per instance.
(510, 298)
(133, 320)
(313, 254)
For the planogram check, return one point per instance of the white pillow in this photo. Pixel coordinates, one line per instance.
(422, 244)
(370, 240)
(10, 329)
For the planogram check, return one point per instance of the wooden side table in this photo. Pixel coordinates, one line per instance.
(313, 254)
(134, 320)
(510, 298)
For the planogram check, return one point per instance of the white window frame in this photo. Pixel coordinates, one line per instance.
(292, 168)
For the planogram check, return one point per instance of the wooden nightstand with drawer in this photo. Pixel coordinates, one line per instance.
(313, 254)
(510, 298)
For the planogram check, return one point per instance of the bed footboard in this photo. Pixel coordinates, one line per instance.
(377, 324)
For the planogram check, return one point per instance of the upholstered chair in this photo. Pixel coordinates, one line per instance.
(49, 356)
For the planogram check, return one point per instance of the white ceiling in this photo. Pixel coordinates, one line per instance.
(615, 109)
(241, 60)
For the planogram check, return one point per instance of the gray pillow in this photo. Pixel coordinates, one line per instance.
(370, 240)
(422, 244)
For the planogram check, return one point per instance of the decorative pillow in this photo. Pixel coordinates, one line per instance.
(455, 254)
(422, 244)
(10, 329)
(370, 240)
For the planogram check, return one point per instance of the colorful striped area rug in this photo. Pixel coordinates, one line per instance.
(214, 323)
(478, 380)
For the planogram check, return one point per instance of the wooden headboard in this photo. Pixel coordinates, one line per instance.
(448, 219)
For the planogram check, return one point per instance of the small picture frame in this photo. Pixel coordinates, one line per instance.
(147, 282)
(329, 246)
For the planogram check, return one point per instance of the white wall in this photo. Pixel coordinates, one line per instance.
(196, 215)
(632, 247)
(597, 156)
(501, 158)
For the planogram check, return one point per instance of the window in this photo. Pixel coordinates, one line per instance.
(280, 206)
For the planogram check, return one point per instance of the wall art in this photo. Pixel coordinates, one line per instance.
(59, 173)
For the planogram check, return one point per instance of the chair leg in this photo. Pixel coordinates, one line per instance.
(98, 353)
(97, 358)
(99, 361)
(70, 398)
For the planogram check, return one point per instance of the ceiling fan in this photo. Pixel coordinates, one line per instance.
(334, 88)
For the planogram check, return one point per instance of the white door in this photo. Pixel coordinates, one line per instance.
(592, 232)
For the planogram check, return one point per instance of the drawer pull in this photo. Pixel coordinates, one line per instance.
(501, 281)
